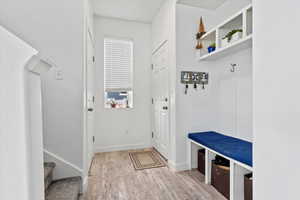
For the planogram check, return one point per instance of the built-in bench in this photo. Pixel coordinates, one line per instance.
(230, 147)
(237, 151)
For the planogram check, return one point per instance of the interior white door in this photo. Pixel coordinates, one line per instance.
(90, 83)
(160, 95)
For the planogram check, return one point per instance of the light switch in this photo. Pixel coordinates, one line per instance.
(58, 74)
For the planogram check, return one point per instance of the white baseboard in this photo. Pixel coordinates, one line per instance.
(63, 167)
(85, 184)
(121, 148)
(177, 167)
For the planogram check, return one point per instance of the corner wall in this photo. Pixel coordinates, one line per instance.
(276, 99)
(14, 137)
(55, 29)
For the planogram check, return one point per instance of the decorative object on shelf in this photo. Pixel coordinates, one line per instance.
(200, 33)
(194, 78)
(211, 48)
(232, 34)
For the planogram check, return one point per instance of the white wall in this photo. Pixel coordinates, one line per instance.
(161, 24)
(234, 95)
(55, 29)
(14, 172)
(127, 128)
(225, 105)
(276, 100)
(195, 111)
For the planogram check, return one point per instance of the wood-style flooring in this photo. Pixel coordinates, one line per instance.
(112, 177)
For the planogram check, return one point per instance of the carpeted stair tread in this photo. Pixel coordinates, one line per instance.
(48, 169)
(64, 189)
(48, 173)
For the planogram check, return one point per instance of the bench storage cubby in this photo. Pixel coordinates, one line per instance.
(248, 187)
(201, 161)
(220, 179)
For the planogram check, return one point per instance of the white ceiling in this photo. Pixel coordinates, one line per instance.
(207, 4)
(136, 10)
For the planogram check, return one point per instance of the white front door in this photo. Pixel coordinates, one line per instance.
(90, 83)
(160, 95)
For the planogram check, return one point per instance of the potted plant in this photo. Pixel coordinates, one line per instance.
(211, 48)
(113, 104)
(232, 36)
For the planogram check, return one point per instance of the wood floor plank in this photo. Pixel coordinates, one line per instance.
(113, 177)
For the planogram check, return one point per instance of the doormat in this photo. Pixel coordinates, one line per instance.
(146, 160)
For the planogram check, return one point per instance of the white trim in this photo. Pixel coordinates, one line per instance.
(98, 16)
(85, 184)
(178, 167)
(37, 65)
(121, 147)
(232, 179)
(159, 46)
(64, 161)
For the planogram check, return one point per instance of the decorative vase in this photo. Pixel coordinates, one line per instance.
(211, 49)
(200, 33)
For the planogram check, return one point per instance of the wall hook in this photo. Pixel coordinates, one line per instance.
(233, 67)
(186, 89)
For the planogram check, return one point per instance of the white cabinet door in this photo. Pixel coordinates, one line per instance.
(160, 94)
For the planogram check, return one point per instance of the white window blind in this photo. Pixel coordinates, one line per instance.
(118, 64)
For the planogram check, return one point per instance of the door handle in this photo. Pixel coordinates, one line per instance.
(165, 107)
(90, 109)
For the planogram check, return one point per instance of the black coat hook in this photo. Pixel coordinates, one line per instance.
(233, 67)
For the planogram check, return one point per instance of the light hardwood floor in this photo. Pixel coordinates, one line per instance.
(112, 177)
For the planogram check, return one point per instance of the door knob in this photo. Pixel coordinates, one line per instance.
(90, 109)
(165, 107)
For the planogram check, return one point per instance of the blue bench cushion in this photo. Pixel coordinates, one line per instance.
(231, 147)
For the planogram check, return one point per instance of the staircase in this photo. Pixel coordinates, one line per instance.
(63, 189)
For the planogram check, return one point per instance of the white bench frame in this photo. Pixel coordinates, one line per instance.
(237, 169)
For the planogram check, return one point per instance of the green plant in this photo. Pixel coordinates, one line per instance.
(213, 45)
(231, 33)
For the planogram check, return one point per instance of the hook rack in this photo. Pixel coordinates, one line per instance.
(194, 78)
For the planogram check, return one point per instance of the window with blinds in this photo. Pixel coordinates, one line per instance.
(118, 69)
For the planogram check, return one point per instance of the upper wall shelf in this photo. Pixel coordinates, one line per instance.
(241, 40)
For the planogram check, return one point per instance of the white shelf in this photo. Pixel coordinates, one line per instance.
(237, 46)
(204, 37)
(240, 20)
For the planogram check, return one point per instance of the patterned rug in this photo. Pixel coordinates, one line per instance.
(146, 160)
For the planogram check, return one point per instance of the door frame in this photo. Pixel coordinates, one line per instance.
(91, 39)
(162, 44)
(86, 166)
